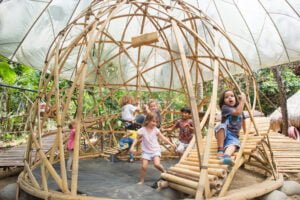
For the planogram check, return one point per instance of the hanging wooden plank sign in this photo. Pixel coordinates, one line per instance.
(144, 39)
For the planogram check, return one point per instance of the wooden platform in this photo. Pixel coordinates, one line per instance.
(13, 157)
(286, 152)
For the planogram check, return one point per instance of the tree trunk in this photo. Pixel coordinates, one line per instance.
(282, 99)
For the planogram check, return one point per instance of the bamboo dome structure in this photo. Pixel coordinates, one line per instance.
(135, 46)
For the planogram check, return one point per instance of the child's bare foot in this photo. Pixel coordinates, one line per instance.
(140, 183)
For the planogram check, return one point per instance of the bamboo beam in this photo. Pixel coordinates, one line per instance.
(43, 172)
(191, 95)
(53, 194)
(184, 189)
(31, 176)
(59, 120)
(50, 168)
(211, 178)
(256, 190)
(181, 181)
(144, 39)
(203, 174)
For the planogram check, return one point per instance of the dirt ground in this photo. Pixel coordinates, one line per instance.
(115, 180)
(7, 180)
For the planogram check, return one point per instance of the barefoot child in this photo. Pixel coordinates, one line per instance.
(70, 145)
(149, 135)
(227, 133)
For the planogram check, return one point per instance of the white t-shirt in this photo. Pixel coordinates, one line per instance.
(149, 141)
(127, 112)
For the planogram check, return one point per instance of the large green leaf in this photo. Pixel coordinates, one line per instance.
(7, 74)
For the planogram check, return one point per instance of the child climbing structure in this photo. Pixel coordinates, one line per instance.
(142, 48)
(255, 152)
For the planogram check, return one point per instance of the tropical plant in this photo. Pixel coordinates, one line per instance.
(269, 89)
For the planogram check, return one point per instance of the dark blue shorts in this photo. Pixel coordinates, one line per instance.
(230, 138)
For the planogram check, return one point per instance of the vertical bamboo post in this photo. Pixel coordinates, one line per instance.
(59, 123)
(203, 179)
(77, 133)
(189, 85)
(43, 173)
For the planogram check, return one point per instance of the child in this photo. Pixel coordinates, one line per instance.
(70, 145)
(149, 135)
(153, 107)
(227, 133)
(126, 142)
(128, 110)
(186, 128)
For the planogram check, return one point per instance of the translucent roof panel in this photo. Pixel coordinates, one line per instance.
(266, 32)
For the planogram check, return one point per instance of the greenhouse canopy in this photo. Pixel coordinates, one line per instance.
(266, 32)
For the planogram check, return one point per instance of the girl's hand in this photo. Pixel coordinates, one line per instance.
(131, 150)
(173, 145)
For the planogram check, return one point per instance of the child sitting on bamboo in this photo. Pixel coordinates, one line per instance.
(227, 133)
(128, 111)
(126, 141)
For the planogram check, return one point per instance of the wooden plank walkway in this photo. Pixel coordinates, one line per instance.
(13, 157)
(286, 152)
